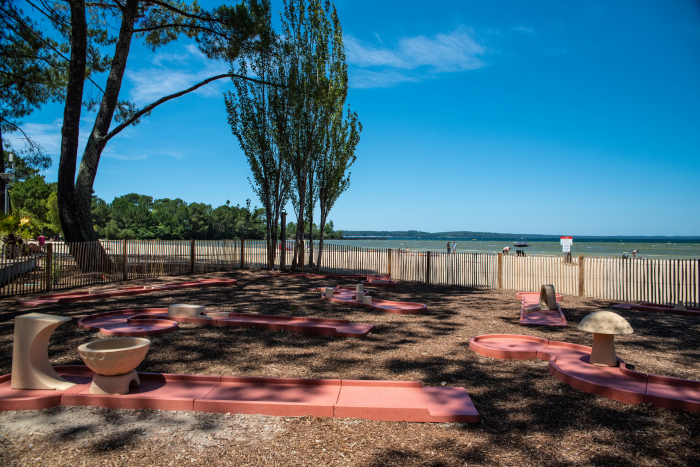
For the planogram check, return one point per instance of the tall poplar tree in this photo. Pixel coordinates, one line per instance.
(332, 176)
(253, 113)
(318, 72)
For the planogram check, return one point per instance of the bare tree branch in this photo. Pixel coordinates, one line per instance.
(155, 104)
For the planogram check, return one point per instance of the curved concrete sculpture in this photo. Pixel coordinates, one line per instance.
(569, 363)
(114, 362)
(604, 325)
(673, 309)
(395, 401)
(31, 368)
(151, 321)
(348, 295)
(541, 309)
(95, 294)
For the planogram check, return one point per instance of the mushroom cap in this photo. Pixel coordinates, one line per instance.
(605, 322)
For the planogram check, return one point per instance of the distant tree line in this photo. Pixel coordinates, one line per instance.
(135, 216)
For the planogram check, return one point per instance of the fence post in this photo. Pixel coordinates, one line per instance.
(49, 266)
(125, 262)
(388, 262)
(192, 254)
(499, 272)
(427, 268)
(581, 276)
(242, 253)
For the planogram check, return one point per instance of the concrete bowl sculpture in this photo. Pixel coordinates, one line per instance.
(110, 357)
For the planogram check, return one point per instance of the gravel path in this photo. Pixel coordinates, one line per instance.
(528, 416)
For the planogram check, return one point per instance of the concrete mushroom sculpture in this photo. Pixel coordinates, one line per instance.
(604, 325)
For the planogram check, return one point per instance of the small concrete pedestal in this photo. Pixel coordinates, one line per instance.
(329, 292)
(360, 296)
(114, 385)
(367, 300)
(187, 311)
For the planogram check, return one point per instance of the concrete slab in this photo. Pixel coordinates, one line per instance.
(372, 400)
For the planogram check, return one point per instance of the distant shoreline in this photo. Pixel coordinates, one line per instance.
(350, 235)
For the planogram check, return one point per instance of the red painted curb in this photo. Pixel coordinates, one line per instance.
(539, 317)
(139, 322)
(373, 400)
(690, 311)
(569, 364)
(347, 295)
(122, 292)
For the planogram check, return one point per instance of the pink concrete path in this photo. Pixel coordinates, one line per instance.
(83, 295)
(539, 317)
(368, 280)
(569, 364)
(689, 311)
(140, 322)
(394, 401)
(347, 295)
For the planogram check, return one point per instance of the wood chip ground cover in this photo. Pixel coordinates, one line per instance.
(528, 417)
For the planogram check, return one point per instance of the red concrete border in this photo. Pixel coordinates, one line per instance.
(569, 364)
(151, 321)
(530, 295)
(368, 280)
(540, 317)
(690, 311)
(373, 400)
(83, 295)
(347, 295)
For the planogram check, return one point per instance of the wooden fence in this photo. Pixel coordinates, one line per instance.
(63, 266)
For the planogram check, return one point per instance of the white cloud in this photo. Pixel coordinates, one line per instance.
(456, 51)
(48, 135)
(524, 29)
(364, 79)
(173, 72)
(125, 157)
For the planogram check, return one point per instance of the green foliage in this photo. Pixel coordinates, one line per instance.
(32, 72)
(31, 195)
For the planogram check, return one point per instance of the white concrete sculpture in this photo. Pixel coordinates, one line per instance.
(114, 362)
(367, 300)
(329, 292)
(31, 368)
(604, 325)
(360, 296)
(360, 288)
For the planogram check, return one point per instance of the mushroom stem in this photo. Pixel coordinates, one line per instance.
(603, 352)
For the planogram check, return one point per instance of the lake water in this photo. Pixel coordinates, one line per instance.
(651, 250)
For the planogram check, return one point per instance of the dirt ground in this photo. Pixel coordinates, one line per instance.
(527, 416)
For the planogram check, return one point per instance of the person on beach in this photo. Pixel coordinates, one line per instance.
(448, 248)
(506, 250)
(454, 247)
(634, 253)
(42, 240)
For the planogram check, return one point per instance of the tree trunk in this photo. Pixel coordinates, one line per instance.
(75, 196)
(2, 170)
(299, 237)
(321, 226)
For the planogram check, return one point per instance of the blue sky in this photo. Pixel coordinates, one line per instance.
(570, 118)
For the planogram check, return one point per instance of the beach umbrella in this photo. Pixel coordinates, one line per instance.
(521, 244)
